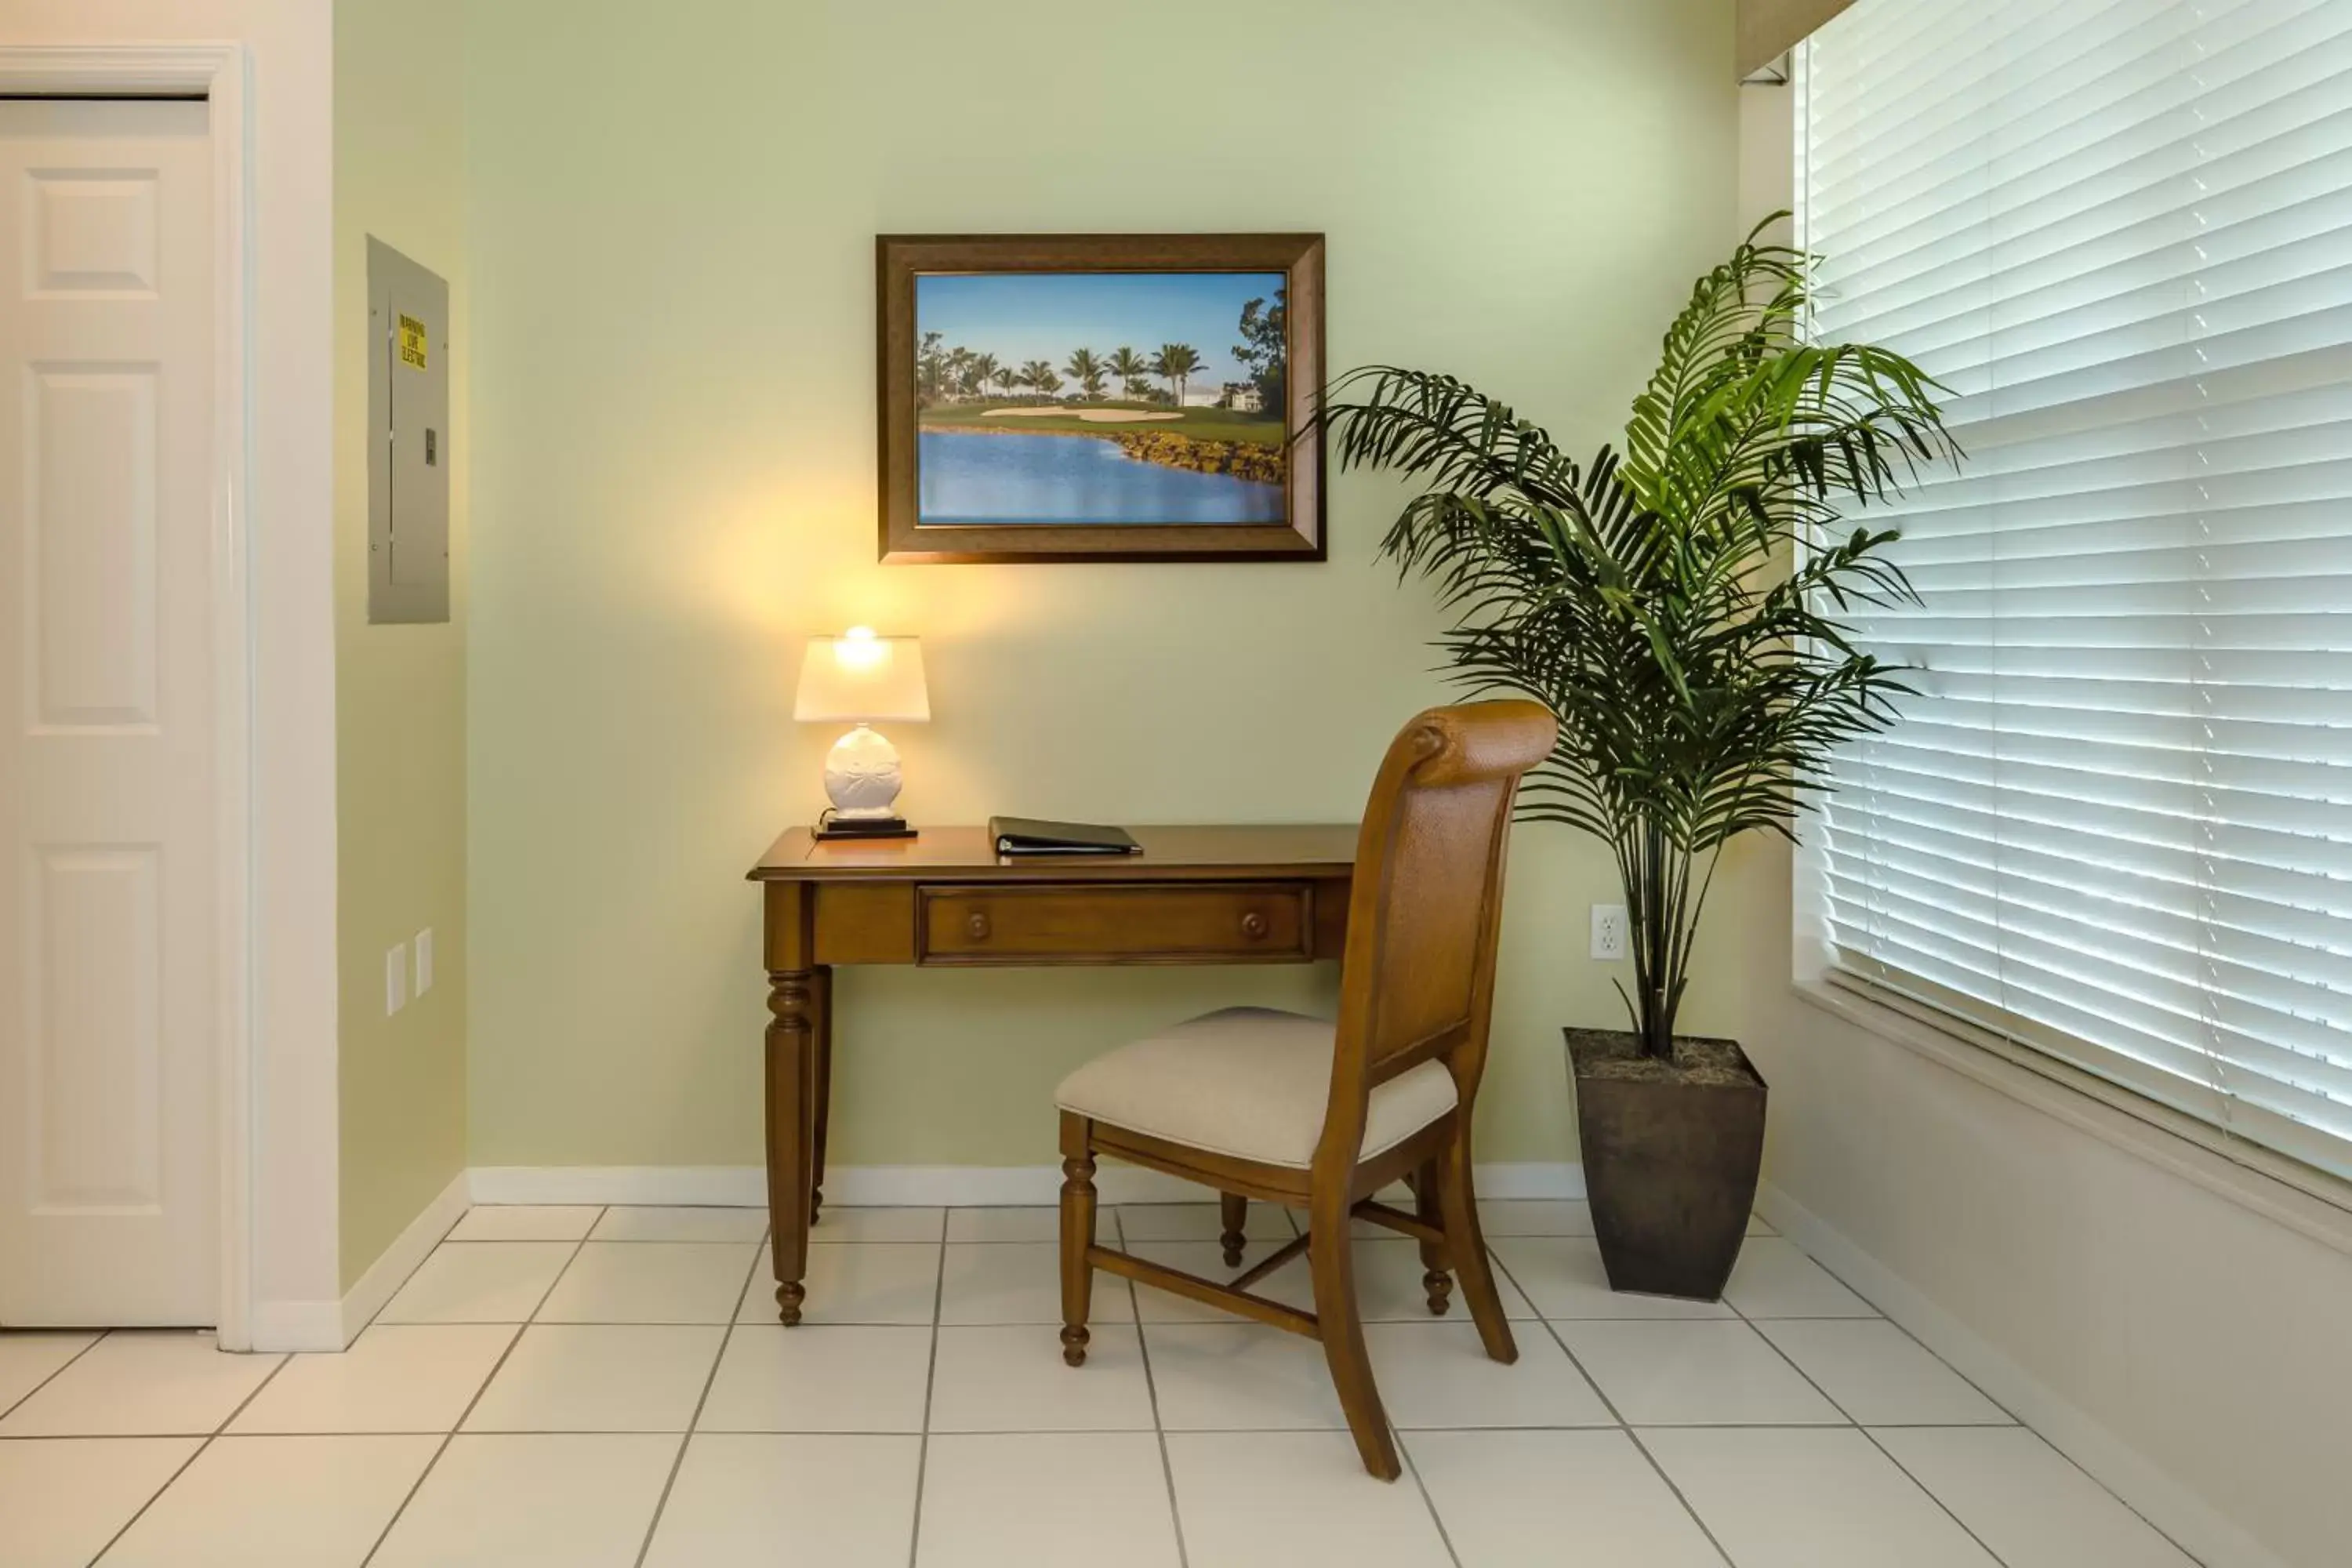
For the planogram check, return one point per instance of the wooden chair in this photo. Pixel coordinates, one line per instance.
(1295, 1111)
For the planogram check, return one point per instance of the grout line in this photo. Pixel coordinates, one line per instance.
(456, 1426)
(1929, 1493)
(14, 1405)
(1158, 1428)
(2161, 1532)
(1424, 1427)
(1750, 1323)
(650, 1242)
(1444, 1536)
(540, 1305)
(2014, 1420)
(1616, 1414)
(1402, 1318)
(285, 1359)
(931, 1387)
(1866, 1434)
(1673, 1486)
(141, 1513)
(2010, 1415)
(198, 1453)
(686, 1440)
(447, 1438)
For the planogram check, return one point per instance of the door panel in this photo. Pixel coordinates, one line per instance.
(91, 534)
(108, 1170)
(96, 1034)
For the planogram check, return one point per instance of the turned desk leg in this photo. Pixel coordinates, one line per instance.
(822, 1110)
(1233, 1214)
(1435, 1280)
(793, 1000)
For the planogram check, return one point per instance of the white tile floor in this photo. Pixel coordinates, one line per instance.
(582, 1387)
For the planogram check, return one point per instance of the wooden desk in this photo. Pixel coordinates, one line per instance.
(1195, 895)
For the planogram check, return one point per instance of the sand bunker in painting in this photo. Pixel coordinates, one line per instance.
(1086, 415)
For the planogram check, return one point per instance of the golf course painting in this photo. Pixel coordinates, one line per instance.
(1089, 397)
(1109, 398)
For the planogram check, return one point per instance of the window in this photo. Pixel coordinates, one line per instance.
(2115, 823)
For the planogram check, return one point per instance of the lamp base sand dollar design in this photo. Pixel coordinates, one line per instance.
(862, 777)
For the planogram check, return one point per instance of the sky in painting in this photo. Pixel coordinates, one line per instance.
(1046, 315)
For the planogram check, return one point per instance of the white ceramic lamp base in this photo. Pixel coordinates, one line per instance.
(862, 779)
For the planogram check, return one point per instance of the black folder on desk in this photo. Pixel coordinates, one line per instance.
(1029, 836)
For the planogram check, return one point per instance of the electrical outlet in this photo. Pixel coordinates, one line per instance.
(1609, 931)
(396, 979)
(424, 945)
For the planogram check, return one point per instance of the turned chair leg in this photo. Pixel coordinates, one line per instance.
(1458, 1201)
(1435, 1280)
(1330, 1251)
(1234, 1209)
(1077, 1236)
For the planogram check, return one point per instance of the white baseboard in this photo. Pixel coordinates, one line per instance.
(333, 1325)
(693, 1187)
(909, 1186)
(2163, 1501)
(1531, 1179)
(296, 1326)
(366, 1299)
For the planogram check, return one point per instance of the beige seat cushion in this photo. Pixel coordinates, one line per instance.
(1250, 1082)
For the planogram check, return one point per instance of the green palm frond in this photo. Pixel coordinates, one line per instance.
(1682, 607)
(1446, 430)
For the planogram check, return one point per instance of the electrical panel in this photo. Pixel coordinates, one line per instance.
(408, 439)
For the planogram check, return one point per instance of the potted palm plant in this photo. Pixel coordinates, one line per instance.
(1679, 607)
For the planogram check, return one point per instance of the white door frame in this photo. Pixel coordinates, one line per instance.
(219, 72)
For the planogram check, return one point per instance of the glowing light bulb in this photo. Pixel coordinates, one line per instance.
(859, 648)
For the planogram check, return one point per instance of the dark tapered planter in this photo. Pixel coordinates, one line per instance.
(1671, 1154)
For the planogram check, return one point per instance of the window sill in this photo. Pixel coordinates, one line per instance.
(2310, 1202)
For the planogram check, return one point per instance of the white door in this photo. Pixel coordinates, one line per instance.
(110, 1197)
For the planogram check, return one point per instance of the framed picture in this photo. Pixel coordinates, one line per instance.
(1100, 397)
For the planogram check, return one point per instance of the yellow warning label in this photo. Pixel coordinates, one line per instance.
(412, 341)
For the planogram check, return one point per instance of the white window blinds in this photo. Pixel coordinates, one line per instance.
(2115, 823)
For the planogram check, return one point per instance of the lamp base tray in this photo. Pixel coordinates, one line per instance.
(842, 828)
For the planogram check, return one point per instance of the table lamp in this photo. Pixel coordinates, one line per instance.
(860, 678)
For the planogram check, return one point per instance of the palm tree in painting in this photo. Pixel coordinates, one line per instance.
(1087, 371)
(1175, 363)
(1132, 370)
(959, 378)
(984, 370)
(930, 367)
(1039, 377)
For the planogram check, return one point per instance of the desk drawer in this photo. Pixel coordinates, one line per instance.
(1117, 923)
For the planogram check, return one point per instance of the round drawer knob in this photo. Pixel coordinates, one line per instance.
(1254, 925)
(977, 924)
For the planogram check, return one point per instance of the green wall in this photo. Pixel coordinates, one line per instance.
(400, 690)
(671, 218)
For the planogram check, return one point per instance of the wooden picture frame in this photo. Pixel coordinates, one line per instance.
(1251, 492)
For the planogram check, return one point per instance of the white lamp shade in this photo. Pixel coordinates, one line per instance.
(859, 678)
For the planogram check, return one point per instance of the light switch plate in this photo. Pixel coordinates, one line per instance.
(424, 945)
(396, 979)
(1609, 925)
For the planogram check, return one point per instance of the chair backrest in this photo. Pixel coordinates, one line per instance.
(1419, 976)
